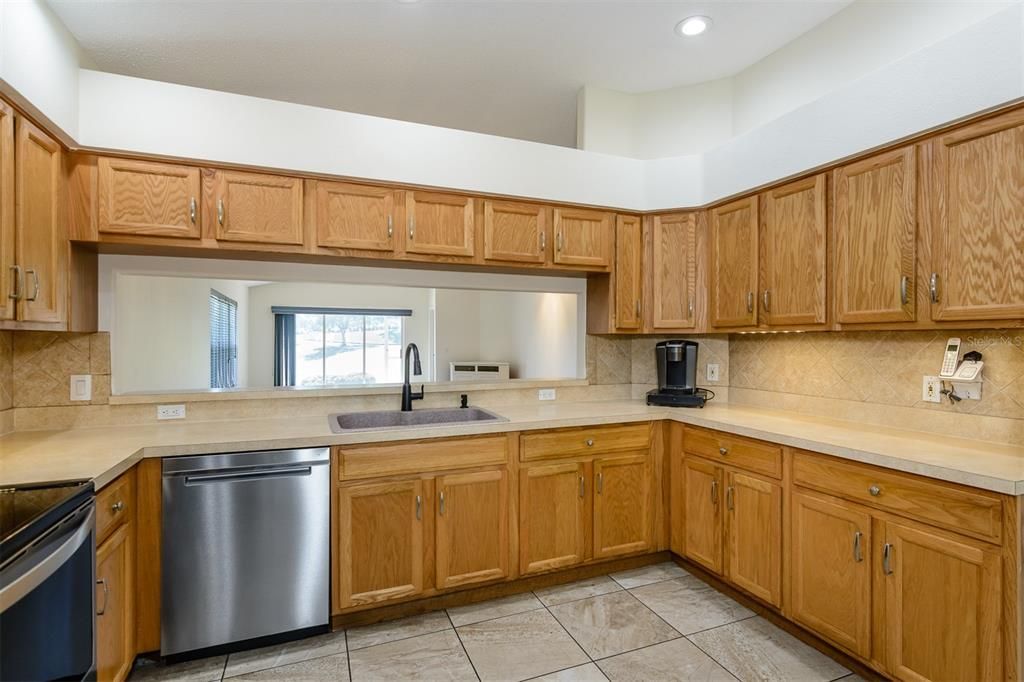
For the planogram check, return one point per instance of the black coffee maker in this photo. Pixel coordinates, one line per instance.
(677, 375)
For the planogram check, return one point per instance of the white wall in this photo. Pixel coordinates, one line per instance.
(537, 333)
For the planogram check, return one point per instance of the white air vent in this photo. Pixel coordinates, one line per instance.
(479, 371)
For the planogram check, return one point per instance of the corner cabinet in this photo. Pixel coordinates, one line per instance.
(673, 272)
(628, 275)
(733, 233)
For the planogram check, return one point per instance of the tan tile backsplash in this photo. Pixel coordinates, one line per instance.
(43, 363)
(6, 381)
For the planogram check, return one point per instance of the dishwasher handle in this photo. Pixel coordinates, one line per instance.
(250, 475)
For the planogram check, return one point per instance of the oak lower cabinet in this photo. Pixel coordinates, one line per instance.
(115, 579)
(472, 538)
(702, 516)
(622, 505)
(552, 516)
(753, 535)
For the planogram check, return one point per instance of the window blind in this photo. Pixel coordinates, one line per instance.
(223, 341)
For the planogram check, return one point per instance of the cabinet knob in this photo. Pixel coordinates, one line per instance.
(117, 506)
(875, 491)
(590, 442)
(723, 451)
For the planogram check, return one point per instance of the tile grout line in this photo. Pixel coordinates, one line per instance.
(462, 644)
(708, 653)
(562, 625)
(348, 655)
(715, 627)
(397, 639)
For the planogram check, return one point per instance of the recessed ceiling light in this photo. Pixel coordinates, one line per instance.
(693, 26)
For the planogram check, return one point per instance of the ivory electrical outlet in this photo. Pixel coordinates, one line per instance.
(170, 411)
(931, 390)
(712, 372)
(546, 394)
(81, 387)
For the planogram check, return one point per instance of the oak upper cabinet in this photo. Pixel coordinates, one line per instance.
(874, 230)
(379, 542)
(753, 534)
(254, 208)
(115, 605)
(976, 211)
(351, 216)
(830, 570)
(943, 605)
(622, 505)
(148, 199)
(702, 516)
(793, 254)
(439, 224)
(515, 232)
(472, 542)
(628, 269)
(40, 234)
(583, 237)
(674, 271)
(552, 516)
(733, 233)
(8, 275)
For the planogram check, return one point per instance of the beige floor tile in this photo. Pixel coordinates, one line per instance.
(438, 656)
(581, 673)
(333, 668)
(389, 631)
(690, 605)
(494, 608)
(648, 574)
(754, 649)
(612, 623)
(581, 589)
(520, 647)
(203, 670)
(253, 660)
(676, 660)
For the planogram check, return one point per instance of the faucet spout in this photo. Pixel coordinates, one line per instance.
(408, 395)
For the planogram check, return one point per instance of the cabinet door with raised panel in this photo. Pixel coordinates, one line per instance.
(439, 224)
(552, 515)
(753, 531)
(874, 232)
(628, 281)
(148, 199)
(583, 237)
(7, 272)
(622, 505)
(256, 209)
(830, 570)
(515, 232)
(943, 605)
(702, 488)
(732, 231)
(40, 236)
(793, 253)
(977, 221)
(472, 542)
(115, 606)
(379, 541)
(674, 271)
(351, 216)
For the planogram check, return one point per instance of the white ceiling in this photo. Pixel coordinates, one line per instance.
(504, 67)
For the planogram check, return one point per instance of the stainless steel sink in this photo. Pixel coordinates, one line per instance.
(347, 422)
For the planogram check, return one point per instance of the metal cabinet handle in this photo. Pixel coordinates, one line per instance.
(723, 451)
(875, 491)
(857, 556)
(543, 241)
(714, 492)
(220, 211)
(689, 308)
(766, 299)
(106, 596)
(590, 442)
(412, 227)
(933, 287)
(904, 289)
(19, 283)
(638, 308)
(582, 487)
(887, 559)
(192, 210)
(391, 227)
(117, 506)
(558, 242)
(600, 483)
(750, 301)
(730, 495)
(35, 284)
(440, 506)
(419, 507)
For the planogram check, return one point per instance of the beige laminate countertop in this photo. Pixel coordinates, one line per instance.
(104, 453)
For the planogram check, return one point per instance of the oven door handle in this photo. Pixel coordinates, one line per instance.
(22, 585)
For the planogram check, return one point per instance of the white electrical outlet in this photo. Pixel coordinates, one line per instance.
(931, 390)
(712, 372)
(170, 411)
(81, 387)
(546, 394)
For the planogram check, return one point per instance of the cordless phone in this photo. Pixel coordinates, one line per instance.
(950, 357)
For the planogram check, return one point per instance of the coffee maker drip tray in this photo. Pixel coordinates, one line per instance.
(674, 399)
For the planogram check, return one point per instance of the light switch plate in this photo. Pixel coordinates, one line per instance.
(546, 394)
(170, 411)
(81, 387)
(931, 390)
(712, 372)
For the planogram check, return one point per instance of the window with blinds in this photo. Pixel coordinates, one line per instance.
(223, 341)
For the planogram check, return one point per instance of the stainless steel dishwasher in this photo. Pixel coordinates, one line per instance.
(245, 549)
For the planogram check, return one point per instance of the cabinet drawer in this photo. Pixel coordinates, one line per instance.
(389, 459)
(590, 440)
(115, 505)
(973, 512)
(736, 451)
